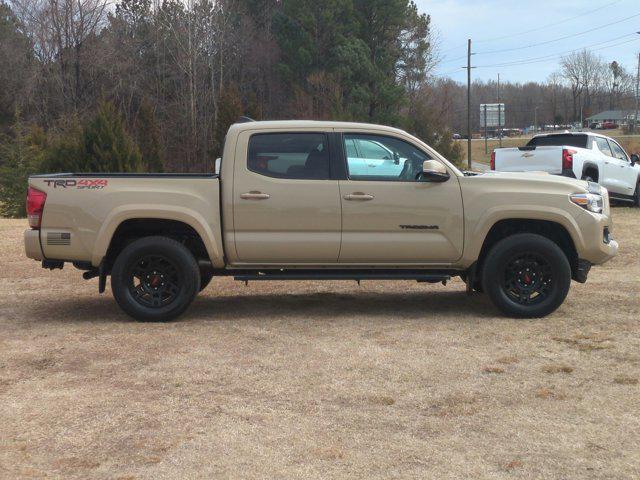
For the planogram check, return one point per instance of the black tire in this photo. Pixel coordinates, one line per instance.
(636, 195)
(205, 279)
(526, 275)
(155, 279)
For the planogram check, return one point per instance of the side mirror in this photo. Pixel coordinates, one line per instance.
(635, 159)
(434, 171)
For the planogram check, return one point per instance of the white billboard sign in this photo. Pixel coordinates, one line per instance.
(492, 115)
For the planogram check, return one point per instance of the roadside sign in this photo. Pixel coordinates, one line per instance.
(492, 115)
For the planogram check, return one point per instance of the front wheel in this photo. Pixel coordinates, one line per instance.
(155, 279)
(636, 195)
(526, 275)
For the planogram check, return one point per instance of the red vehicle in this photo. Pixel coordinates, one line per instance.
(609, 125)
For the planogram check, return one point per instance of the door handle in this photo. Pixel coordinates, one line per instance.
(359, 196)
(255, 196)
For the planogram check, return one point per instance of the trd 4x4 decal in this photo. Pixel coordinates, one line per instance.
(83, 184)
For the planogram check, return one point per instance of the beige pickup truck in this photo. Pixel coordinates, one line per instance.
(304, 200)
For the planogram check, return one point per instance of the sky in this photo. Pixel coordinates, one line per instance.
(505, 34)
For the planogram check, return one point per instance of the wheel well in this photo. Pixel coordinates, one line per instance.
(592, 171)
(134, 229)
(551, 230)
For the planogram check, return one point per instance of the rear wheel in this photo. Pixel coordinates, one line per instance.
(526, 275)
(155, 279)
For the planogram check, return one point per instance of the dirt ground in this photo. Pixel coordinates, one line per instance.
(319, 380)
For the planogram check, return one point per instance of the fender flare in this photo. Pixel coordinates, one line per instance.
(117, 216)
(527, 212)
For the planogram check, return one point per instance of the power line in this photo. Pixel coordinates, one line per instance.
(600, 27)
(537, 28)
(548, 25)
(560, 38)
(551, 57)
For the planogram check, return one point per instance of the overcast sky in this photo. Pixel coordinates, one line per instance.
(607, 27)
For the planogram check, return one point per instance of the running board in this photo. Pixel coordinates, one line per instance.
(344, 275)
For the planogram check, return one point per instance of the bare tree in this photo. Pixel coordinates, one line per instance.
(60, 30)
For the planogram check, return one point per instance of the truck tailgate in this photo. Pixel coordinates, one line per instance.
(540, 159)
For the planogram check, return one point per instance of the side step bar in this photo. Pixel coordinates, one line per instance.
(344, 275)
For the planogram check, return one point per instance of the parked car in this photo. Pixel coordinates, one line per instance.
(588, 156)
(457, 136)
(293, 202)
(609, 125)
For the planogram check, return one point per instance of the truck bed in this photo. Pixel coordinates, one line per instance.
(83, 210)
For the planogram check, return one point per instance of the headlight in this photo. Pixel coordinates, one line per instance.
(588, 201)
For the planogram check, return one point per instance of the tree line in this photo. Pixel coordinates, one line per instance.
(583, 85)
(153, 85)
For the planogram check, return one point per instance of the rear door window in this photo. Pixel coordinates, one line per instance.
(302, 156)
(618, 152)
(603, 146)
(579, 141)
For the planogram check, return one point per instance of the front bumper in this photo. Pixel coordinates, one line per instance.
(598, 243)
(32, 245)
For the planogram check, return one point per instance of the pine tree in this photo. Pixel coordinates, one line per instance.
(107, 147)
(20, 156)
(230, 110)
(65, 152)
(149, 138)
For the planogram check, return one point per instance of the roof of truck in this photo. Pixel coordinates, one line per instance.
(551, 134)
(278, 124)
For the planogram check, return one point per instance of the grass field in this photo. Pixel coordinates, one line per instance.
(630, 143)
(319, 380)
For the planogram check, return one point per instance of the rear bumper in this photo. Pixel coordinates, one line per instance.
(32, 245)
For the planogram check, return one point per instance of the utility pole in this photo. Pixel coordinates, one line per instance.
(499, 114)
(635, 118)
(468, 67)
(486, 147)
(535, 119)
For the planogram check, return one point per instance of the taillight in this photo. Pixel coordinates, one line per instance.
(567, 159)
(35, 206)
(493, 160)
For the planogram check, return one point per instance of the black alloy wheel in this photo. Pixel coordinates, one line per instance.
(526, 275)
(155, 279)
(528, 279)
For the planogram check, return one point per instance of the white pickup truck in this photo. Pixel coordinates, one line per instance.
(586, 156)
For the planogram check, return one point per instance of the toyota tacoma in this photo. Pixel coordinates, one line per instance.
(305, 200)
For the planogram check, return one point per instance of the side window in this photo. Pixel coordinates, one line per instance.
(603, 146)
(618, 152)
(302, 156)
(350, 146)
(385, 159)
(374, 150)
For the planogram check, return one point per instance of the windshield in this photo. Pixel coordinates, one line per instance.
(560, 140)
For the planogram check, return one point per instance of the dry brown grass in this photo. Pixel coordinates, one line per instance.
(625, 380)
(552, 369)
(319, 380)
